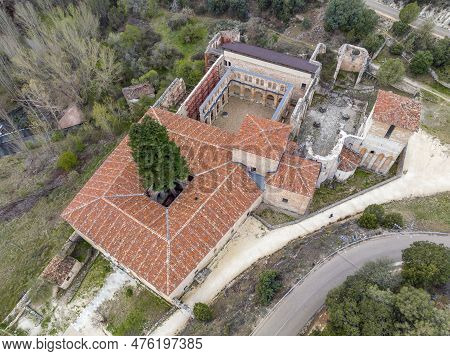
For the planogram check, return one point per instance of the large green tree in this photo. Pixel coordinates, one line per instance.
(391, 71)
(421, 62)
(351, 16)
(160, 163)
(426, 264)
(409, 13)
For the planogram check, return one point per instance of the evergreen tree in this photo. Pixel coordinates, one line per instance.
(160, 163)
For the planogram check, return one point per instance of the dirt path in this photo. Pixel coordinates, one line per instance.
(427, 172)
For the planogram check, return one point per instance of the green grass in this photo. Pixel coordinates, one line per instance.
(30, 241)
(428, 213)
(133, 312)
(332, 192)
(274, 217)
(95, 278)
(174, 37)
(80, 253)
(435, 116)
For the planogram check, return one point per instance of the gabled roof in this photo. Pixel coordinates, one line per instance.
(296, 174)
(393, 109)
(349, 160)
(263, 137)
(164, 245)
(268, 55)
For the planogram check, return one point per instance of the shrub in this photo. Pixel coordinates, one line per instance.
(377, 210)
(203, 312)
(269, 283)
(239, 9)
(396, 49)
(426, 264)
(421, 62)
(306, 23)
(129, 292)
(368, 221)
(372, 42)
(190, 71)
(409, 13)
(75, 143)
(177, 21)
(399, 28)
(391, 71)
(393, 220)
(192, 33)
(67, 161)
(57, 136)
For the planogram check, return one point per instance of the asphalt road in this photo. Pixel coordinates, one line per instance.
(389, 12)
(294, 311)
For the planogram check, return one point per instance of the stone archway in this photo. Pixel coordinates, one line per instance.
(235, 90)
(377, 161)
(270, 100)
(247, 94)
(258, 96)
(386, 165)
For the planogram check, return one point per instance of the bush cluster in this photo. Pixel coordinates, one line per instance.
(374, 216)
(67, 161)
(203, 312)
(269, 283)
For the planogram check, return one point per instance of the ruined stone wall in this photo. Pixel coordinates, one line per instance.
(352, 59)
(295, 202)
(214, 50)
(190, 107)
(172, 95)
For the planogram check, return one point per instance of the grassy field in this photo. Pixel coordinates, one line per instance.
(175, 39)
(29, 241)
(274, 217)
(332, 192)
(428, 213)
(95, 278)
(133, 310)
(436, 118)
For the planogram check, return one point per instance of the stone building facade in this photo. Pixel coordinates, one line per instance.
(392, 121)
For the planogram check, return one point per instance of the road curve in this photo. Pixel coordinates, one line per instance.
(387, 11)
(297, 307)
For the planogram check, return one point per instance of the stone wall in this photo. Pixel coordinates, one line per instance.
(299, 79)
(190, 107)
(172, 95)
(261, 164)
(295, 202)
(214, 50)
(352, 59)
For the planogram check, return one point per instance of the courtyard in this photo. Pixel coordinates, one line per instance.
(236, 109)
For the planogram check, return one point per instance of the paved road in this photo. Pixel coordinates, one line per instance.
(294, 311)
(392, 13)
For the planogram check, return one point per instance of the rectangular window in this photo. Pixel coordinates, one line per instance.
(285, 200)
(389, 131)
(303, 85)
(253, 169)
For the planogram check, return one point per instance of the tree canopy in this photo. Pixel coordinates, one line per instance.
(409, 12)
(160, 163)
(426, 264)
(391, 71)
(371, 302)
(350, 16)
(421, 62)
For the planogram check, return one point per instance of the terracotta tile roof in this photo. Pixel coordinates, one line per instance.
(349, 160)
(262, 137)
(393, 109)
(164, 245)
(296, 174)
(58, 269)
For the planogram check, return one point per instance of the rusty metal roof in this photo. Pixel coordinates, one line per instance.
(268, 55)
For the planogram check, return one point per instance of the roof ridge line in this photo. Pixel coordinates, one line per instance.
(206, 200)
(133, 218)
